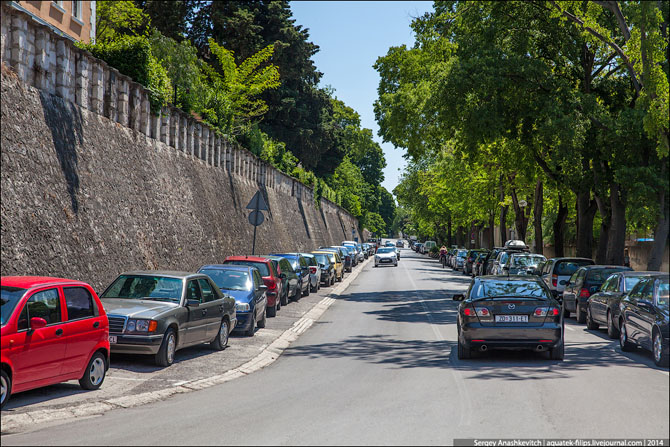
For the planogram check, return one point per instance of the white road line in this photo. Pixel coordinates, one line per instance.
(569, 328)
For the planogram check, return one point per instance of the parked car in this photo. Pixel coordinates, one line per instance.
(478, 264)
(386, 255)
(301, 269)
(245, 284)
(428, 245)
(366, 249)
(603, 306)
(276, 296)
(358, 252)
(314, 272)
(344, 254)
(487, 268)
(585, 281)
(160, 312)
(525, 263)
(290, 281)
(338, 264)
(501, 263)
(53, 330)
(509, 312)
(459, 259)
(400, 244)
(557, 272)
(644, 317)
(418, 247)
(326, 263)
(469, 260)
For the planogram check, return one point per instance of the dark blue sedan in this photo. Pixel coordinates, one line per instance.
(245, 284)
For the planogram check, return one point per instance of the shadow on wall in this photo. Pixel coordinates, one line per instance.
(65, 122)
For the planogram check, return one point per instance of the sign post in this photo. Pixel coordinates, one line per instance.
(257, 204)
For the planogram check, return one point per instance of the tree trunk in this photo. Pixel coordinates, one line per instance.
(559, 227)
(520, 219)
(586, 211)
(617, 236)
(660, 232)
(492, 225)
(450, 239)
(538, 208)
(503, 214)
(606, 215)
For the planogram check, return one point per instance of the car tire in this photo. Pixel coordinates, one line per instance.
(263, 321)
(579, 314)
(557, 352)
(272, 311)
(314, 289)
(6, 388)
(612, 332)
(332, 280)
(590, 324)
(464, 353)
(95, 371)
(252, 327)
(624, 343)
(298, 293)
(307, 291)
(284, 299)
(658, 348)
(221, 340)
(166, 353)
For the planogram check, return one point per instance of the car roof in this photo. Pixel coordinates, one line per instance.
(247, 258)
(287, 255)
(166, 273)
(530, 278)
(602, 267)
(27, 282)
(228, 267)
(570, 258)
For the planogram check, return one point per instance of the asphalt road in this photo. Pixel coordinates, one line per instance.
(380, 367)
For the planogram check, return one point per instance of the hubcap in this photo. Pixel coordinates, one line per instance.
(609, 321)
(5, 385)
(223, 332)
(97, 371)
(658, 349)
(622, 336)
(171, 348)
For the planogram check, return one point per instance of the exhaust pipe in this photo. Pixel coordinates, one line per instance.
(483, 348)
(539, 348)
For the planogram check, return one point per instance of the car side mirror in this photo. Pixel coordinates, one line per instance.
(37, 323)
(192, 303)
(263, 287)
(458, 297)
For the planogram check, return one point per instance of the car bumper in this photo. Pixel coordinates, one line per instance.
(136, 344)
(511, 337)
(243, 321)
(272, 299)
(325, 277)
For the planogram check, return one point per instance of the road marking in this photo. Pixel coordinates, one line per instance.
(569, 328)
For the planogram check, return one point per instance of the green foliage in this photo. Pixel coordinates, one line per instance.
(374, 223)
(132, 56)
(115, 19)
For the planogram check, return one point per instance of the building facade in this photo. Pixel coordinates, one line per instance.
(72, 19)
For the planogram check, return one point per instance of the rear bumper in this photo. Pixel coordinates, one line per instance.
(272, 299)
(243, 321)
(510, 337)
(136, 344)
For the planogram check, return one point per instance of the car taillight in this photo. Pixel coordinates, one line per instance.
(312, 269)
(554, 280)
(545, 311)
(584, 293)
(483, 312)
(469, 312)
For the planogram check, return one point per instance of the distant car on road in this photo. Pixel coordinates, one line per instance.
(400, 244)
(159, 312)
(644, 318)
(509, 312)
(386, 255)
(585, 281)
(53, 330)
(301, 269)
(338, 263)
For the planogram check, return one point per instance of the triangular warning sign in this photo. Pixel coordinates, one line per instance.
(258, 203)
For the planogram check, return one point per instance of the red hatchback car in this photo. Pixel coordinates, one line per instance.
(270, 278)
(53, 330)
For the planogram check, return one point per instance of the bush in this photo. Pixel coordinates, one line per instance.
(132, 56)
(434, 249)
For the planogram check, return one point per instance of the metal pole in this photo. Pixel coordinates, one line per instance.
(253, 247)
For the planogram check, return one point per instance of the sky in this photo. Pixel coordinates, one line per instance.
(351, 36)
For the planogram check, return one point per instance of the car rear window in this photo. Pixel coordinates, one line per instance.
(567, 268)
(261, 266)
(520, 288)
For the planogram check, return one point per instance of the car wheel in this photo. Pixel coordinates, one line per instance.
(272, 311)
(284, 298)
(252, 327)
(298, 293)
(590, 324)
(6, 388)
(95, 371)
(315, 288)
(332, 280)
(221, 340)
(165, 355)
(307, 290)
(625, 344)
(261, 323)
(611, 330)
(581, 317)
(557, 352)
(658, 348)
(463, 352)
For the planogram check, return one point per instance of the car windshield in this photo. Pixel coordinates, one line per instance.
(528, 261)
(663, 294)
(520, 288)
(261, 266)
(141, 287)
(9, 297)
(322, 259)
(385, 250)
(567, 268)
(229, 279)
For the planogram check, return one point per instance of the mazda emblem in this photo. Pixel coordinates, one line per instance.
(511, 306)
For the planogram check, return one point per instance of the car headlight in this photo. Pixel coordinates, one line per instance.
(242, 307)
(135, 325)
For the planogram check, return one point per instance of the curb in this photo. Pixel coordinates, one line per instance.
(11, 423)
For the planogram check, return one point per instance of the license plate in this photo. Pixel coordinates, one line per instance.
(386, 260)
(511, 318)
(112, 339)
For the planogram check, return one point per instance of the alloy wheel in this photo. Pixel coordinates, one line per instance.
(658, 348)
(623, 336)
(223, 333)
(171, 348)
(97, 371)
(5, 387)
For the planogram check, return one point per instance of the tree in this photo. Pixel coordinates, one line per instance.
(119, 18)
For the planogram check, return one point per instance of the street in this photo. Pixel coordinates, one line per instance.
(380, 367)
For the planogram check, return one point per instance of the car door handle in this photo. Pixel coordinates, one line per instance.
(96, 324)
(204, 312)
(59, 332)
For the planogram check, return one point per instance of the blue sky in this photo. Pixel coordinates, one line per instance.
(351, 36)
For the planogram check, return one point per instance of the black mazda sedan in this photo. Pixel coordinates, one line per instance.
(509, 312)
